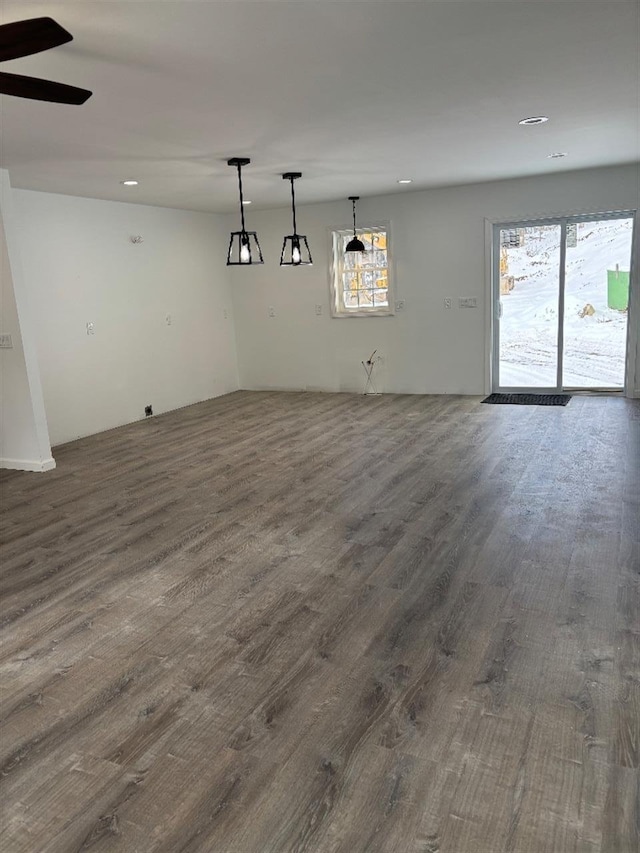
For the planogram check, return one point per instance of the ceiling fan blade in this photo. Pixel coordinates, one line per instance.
(22, 38)
(41, 90)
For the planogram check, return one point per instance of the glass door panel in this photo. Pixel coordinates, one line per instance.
(529, 286)
(596, 303)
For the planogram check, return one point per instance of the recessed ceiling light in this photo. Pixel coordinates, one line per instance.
(534, 120)
(247, 201)
(405, 181)
(557, 155)
(129, 183)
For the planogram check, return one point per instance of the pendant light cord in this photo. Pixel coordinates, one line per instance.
(354, 217)
(293, 206)
(241, 198)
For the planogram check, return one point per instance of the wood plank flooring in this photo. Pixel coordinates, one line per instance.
(327, 623)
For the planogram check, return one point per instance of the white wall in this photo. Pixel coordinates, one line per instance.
(24, 439)
(439, 247)
(80, 267)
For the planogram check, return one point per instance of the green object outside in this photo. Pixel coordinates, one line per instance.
(618, 290)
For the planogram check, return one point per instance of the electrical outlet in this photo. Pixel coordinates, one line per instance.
(467, 302)
(225, 314)
(272, 311)
(91, 329)
(168, 319)
(318, 310)
(6, 342)
(447, 302)
(148, 411)
(400, 304)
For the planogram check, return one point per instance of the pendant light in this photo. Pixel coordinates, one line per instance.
(295, 249)
(244, 247)
(354, 245)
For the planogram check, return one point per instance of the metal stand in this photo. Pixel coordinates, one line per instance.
(370, 388)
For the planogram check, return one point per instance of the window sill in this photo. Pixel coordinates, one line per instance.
(343, 315)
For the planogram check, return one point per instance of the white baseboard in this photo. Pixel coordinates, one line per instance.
(28, 464)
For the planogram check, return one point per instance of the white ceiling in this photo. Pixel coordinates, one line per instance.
(353, 93)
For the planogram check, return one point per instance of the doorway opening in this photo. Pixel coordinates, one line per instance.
(561, 294)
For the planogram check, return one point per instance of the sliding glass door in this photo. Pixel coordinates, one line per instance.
(561, 298)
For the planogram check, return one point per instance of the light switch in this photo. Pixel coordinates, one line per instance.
(467, 302)
(6, 342)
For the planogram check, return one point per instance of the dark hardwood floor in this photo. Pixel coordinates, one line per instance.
(331, 623)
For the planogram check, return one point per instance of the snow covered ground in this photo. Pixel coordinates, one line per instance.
(594, 344)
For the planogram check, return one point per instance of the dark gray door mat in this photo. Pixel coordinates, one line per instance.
(529, 399)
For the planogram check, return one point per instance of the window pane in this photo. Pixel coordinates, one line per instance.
(373, 258)
(350, 281)
(374, 240)
(529, 291)
(596, 301)
(351, 260)
(380, 297)
(351, 287)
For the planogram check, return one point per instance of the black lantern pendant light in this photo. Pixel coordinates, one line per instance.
(244, 247)
(354, 245)
(295, 249)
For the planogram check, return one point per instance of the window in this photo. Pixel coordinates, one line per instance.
(360, 285)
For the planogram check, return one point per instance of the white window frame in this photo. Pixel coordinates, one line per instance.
(338, 309)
